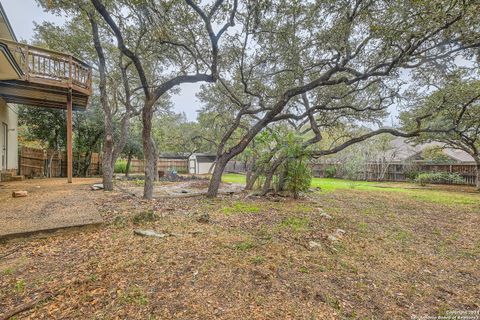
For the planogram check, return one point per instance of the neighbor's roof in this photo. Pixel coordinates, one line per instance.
(401, 150)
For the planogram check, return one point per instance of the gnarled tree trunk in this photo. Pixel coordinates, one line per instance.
(149, 151)
(129, 162)
(216, 179)
(270, 174)
(107, 163)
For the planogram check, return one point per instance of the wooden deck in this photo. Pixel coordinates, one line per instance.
(41, 77)
(45, 77)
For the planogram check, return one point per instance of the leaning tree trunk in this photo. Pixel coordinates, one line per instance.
(149, 152)
(268, 182)
(217, 177)
(251, 174)
(252, 180)
(86, 163)
(129, 162)
(270, 174)
(282, 178)
(107, 164)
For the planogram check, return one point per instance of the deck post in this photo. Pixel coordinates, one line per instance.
(69, 137)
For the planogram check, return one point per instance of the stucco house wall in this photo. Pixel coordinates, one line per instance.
(8, 117)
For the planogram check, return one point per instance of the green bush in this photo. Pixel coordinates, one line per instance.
(330, 172)
(412, 174)
(438, 177)
(299, 177)
(120, 166)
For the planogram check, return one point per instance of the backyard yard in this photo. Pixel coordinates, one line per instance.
(158, 99)
(349, 250)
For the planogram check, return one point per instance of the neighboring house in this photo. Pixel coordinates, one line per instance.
(401, 151)
(36, 77)
(200, 163)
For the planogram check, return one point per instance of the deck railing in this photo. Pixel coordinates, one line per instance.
(50, 67)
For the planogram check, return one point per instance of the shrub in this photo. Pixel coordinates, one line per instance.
(412, 174)
(120, 166)
(330, 172)
(438, 177)
(299, 177)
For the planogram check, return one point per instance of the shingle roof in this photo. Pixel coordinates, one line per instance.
(401, 150)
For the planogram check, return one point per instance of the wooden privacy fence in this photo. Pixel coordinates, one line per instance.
(163, 165)
(399, 171)
(33, 162)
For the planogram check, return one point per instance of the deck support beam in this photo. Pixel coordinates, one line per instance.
(69, 136)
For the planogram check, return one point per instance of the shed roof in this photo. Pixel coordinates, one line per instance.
(172, 156)
(205, 158)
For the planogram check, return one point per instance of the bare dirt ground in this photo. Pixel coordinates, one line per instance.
(348, 254)
(185, 188)
(51, 203)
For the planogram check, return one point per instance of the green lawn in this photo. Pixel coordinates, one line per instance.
(411, 190)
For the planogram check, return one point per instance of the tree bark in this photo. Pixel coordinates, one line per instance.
(149, 151)
(129, 162)
(86, 163)
(251, 174)
(107, 163)
(270, 174)
(282, 178)
(217, 177)
(268, 181)
(49, 166)
(252, 180)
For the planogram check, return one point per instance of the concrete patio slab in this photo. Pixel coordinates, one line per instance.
(51, 204)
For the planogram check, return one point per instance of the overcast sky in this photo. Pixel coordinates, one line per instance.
(22, 14)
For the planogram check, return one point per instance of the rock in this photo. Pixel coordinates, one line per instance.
(19, 193)
(149, 233)
(325, 215)
(332, 238)
(97, 186)
(336, 235)
(314, 244)
(203, 218)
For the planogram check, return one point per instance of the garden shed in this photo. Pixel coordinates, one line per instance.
(200, 163)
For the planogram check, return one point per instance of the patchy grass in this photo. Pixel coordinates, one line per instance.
(295, 223)
(410, 190)
(234, 178)
(133, 295)
(241, 207)
(139, 218)
(244, 245)
(19, 286)
(258, 260)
